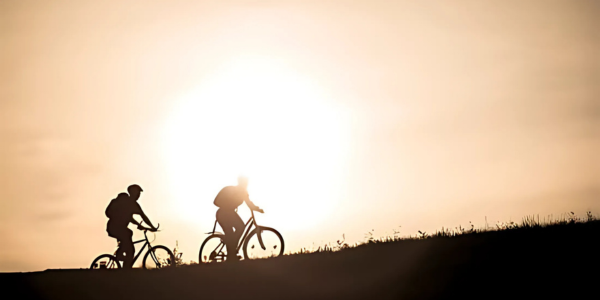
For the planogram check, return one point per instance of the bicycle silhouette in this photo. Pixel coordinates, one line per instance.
(160, 256)
(268, 239)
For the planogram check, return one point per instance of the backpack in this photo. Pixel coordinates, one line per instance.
(229, 197)
(115, 206)
(219, 202)
(111, 210)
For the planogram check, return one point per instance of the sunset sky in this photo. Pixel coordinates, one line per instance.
(348, 116)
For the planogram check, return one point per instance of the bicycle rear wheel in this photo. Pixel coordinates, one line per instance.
(263, 242)
(213, 249)
(105, 261)
(159, 257)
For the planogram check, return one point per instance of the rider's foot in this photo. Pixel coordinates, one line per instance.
(235, 258)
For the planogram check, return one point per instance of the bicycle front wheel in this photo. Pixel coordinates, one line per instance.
(158, 257)
(105, 261)
(213, 249)
(263, 242)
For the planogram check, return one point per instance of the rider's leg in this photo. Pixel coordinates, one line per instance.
(239, 226)
(229, 220)
(120, 252)
(118, 235)
(128, 248)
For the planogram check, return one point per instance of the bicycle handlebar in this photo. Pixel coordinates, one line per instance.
(150, 229)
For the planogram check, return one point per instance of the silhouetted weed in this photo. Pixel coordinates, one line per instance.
(527, 222)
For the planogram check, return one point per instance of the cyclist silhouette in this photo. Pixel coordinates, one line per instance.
(228, 200)
(120, 213)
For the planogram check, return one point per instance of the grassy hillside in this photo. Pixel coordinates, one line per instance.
(526, 260)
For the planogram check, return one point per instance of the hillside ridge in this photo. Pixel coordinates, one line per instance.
(536, 261)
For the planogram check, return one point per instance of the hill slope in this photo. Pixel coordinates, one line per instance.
(555, 261)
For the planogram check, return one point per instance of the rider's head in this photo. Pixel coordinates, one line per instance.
(242, 181)
(134, 191)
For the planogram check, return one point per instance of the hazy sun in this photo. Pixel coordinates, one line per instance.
(258, 118)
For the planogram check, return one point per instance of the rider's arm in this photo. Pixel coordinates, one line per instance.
(134, 221)
(144, 217)
(253, 206)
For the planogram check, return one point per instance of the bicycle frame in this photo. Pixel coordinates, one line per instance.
(141, 250)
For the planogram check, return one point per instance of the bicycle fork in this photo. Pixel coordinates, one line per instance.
(260, 240)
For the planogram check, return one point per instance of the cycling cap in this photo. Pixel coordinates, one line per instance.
(134, 187)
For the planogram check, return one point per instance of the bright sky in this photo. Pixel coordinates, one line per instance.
(347, 116)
